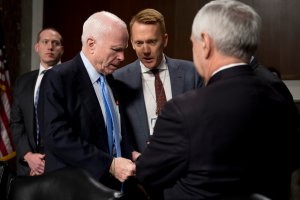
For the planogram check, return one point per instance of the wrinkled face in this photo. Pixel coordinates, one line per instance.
(108, 53)
(148, 42)
(49, 48)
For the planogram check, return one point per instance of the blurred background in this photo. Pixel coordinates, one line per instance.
(22, 19)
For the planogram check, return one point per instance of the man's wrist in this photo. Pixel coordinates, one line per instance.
(112, 167)
(26, 155)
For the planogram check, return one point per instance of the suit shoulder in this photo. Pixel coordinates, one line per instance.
(180, 62)
(28, 76)
(185, 101)
(65, 66)
(68, 68)
(126, 69)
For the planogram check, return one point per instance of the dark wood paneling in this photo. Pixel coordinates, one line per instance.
(280, 33)
(68, 17)
(288, 38)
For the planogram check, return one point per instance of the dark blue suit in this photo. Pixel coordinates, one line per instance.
(72, 122)
(183, 77)
(22, 119)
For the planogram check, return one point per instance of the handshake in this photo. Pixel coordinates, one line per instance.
(123, 168)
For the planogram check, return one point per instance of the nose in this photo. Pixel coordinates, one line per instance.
(146, 48)
(121, 56)
(50, 45)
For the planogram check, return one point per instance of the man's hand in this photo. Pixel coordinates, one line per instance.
(122, 168)
(135, 155)
(36, 163)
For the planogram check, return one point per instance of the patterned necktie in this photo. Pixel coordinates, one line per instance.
(112, 122)
(36, 98)
(159, 91)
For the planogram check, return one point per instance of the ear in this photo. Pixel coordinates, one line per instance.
(165, 39)
(62, 50)
(206, 44)
(91, 44)
(36, 47)
(132, 44)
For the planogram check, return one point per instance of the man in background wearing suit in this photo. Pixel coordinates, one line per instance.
(148, 39)
(30, 156)
(72, 110)
(233, 137)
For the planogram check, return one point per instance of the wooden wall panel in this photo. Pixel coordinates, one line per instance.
(288, 38)
(280, 41)
(269, 51)
(280, 34)
(68, 18)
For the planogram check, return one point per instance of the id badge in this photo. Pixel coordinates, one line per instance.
(153, 121)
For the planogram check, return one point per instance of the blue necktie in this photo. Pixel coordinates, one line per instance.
(112, 122)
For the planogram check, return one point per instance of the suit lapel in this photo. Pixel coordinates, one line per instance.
(176, 77)
(89, 99)
(134, 74)
(230, 72)
(31, 111)
(136, 77)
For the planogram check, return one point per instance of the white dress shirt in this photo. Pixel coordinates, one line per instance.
(149, 90)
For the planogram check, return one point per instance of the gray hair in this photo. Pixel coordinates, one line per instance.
(99, 24)
(233, 26)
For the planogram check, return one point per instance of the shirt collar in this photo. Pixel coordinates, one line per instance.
(227, 66)
(93, 74)
(161, 66)
(42, 68)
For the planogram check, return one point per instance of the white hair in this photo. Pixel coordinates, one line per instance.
(233, 26)
(100, 23)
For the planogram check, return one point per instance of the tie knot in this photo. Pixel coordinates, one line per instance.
(155, 71)
(43, 72)
(101, 78)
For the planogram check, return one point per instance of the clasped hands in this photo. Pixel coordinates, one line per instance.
(122, 168)
(36, 163)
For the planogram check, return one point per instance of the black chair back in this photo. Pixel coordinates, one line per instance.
(64, 184)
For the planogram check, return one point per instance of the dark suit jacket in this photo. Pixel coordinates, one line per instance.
(22, 119)
(236, 135)
(275, 82)
(272, 79)
(72, 122)
(183, 78)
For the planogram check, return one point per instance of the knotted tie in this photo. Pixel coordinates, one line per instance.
(112, 122)
(159, 91)
(36, 99)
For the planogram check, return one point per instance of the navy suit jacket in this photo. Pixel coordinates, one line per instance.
(235, 135)
(183, 77)
(22, 119)
(72, 123)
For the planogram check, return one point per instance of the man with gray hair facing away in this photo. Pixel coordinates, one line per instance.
(223, 141)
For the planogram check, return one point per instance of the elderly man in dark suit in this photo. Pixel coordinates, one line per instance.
(78, 111)
(236, 135)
